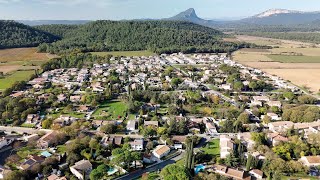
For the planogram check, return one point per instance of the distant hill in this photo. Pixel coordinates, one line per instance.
(49, 22)
(14, 34)
(270, 19)
(282, 17)
(156, 36)
(190, 16)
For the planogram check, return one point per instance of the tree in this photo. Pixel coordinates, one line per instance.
(148, 132)
(46, 124)
(232, 160)
(244, 118)
(250, 162)
(109, 128)
(175, 82)
(174, 171)
(266, 119)
(289, 95)
(150, 145)
(238, 86)
(259, 138)
(189, 162)
(99, 172)
(253, 85)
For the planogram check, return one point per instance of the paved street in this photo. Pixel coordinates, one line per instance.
(23, 130)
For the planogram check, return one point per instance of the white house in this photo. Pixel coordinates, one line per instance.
(80, 168)
(131, 126)
(258, 174)
(137, 145)
(5, 142)
(3, 172)
(280, 126)
(273, 116)
(226, 146)
(161, 151)
(310, 161)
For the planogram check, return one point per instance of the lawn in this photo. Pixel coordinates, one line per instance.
(212, 148)
(110, 110)
(295, 59)
(28, 125)
(125, 53)
(10, 79)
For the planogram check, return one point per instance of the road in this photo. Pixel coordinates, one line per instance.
(156, 167)
(22, 130)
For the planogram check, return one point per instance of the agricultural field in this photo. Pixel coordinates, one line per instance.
(18, 64)
(11, 78)
(295, 61)
(110, 110)
(21, 59)
(125, 53)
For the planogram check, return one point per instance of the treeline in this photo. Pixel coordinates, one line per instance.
(240, 27)
(301, 113)
(60, 30)
(156, 36)
(311, 37)
(75, 60)
(13, 35)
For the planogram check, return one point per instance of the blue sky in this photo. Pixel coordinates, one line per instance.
(135, 9)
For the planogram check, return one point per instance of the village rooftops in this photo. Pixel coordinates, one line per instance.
(82, 165)
(151, 123)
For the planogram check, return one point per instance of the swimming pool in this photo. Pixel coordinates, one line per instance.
(199, 168)
(112, 171)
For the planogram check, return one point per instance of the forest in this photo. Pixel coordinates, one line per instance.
(13, 34)
(155, 36)
(60, 30)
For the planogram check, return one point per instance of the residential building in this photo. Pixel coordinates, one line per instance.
(226, 146)
(5, 142)
(161, 151)
(137, 145)
(29, 163)
(81, 169)
(310, 161)
(258, 174)
(232, 173)
(47, 140)
(154, 124)
(131, 125)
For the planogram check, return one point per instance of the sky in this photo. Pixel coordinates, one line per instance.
(141, 9)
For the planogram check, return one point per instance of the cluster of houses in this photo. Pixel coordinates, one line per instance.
(142, 72)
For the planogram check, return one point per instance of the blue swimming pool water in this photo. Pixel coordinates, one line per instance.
(198, 168)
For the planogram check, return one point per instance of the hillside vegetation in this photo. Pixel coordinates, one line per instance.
(13, 34)
(60, 30)
(155, 36)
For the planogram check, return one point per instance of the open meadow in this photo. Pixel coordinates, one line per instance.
(295, 61)
(18, 64)
(11, 78)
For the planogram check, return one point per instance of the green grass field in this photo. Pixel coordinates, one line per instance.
(125, 53)
(212, 148)
(110, 110)
(294, 59)
(9, 79)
